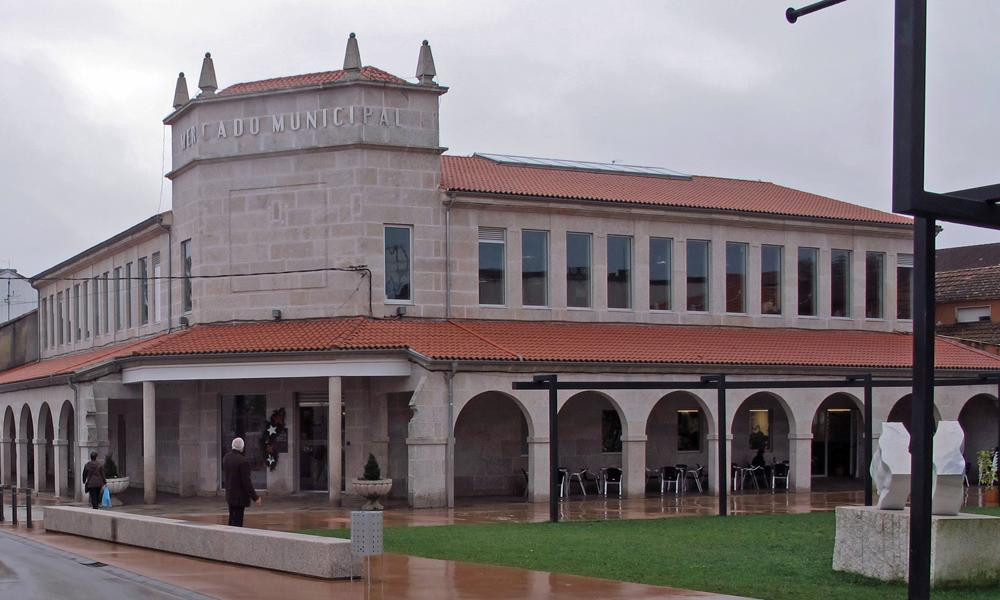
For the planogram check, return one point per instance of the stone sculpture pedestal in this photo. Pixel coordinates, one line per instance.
(964, 548)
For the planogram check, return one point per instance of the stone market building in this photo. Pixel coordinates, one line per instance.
(330, 283)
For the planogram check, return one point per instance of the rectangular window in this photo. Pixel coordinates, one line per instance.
(117, 282)
(688, 431)
(59, 310)
(808, 281)
(186, 303)
(904, 286)
(43, 322)
(697, 275)
(611, 431)
(535, 268)
(157, 288)
(760, 429)
(874, 284)
(840, 283)
(973, 314)
(97, 314)
(619, 271)
(398, 264)
(128, 295)
(660, 271)
(492, 242)
(69, 320)
(736, 277)
(105, 300)
(143, 291)
(578, 270)
(245, 416)
(771, 275)
(76, 309)
(53, 324)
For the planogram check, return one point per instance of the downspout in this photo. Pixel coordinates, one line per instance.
(449, 200)
(450, 444)
(170, 276)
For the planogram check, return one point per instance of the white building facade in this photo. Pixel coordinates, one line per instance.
(329, 284)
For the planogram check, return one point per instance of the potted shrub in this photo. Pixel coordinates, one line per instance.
(987, 475)
(371, 486)
(115, 483)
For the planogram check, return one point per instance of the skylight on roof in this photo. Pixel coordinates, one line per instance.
(582, 165)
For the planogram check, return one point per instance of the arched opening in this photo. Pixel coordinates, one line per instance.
(26, 456)
(761, 423)
(979, 422)
(46, 433)
(591, 429)
(902, 412)
(837, 430)
(491, 447)
(10, 434)
(677, 432)
(67, 433)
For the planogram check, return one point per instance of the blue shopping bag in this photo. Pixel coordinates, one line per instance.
(106, 498)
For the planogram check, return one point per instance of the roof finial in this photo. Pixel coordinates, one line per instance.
(207, 82)
(425, 65)
(352, 57)
(181, 91)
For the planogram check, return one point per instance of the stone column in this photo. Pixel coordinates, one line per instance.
(60, 463)
(39, 448)
(149, 442)
(427, 444)
(800, 461)
(6, 449)
(634, 466)
(22, 461)
(539, 478)
(335, 449)
(713, 464)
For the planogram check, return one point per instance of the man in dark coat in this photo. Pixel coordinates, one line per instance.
(239, 487)
(93, 480)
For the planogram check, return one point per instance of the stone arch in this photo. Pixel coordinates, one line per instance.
(749, 424)
(26, 456)
(589, 436)
(492, 431)
(66, 434)
(9, 434)
(838, 437)
(45, 432)
(666, 443)
(978, 419)
(901, 412)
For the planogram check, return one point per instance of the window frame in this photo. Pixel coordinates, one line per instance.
(547, 263)
(708, 275)
(630, 276)
(669, 281)
(815, 282)
(143, 273)
(503, 267)
(909, 287)
(881, 285)
(780, 279)
(590, 270)
(409, 265)
(744, 277)
(848, 283)
(187, 290)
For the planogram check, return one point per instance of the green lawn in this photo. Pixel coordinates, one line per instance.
(762, 556)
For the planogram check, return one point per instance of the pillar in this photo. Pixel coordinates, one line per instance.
(22, 461)
(6, 449)
(188, 445)
(39, 449)
(149, 442)
(335, 442)
(60, 464)
(634, 466)
(800, 461)
(713, 464)
(539, 478)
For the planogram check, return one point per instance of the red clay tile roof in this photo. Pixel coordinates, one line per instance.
(513, 341)
(308, 79)
(476, 174)
(984, 332)
(968, 284)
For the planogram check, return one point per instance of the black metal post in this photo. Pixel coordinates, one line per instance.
(869, 433)
(13, 505)
(553, 383)
(27, 506)
(1, 502)
(793, 14)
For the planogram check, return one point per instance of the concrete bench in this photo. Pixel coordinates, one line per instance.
(329, 558)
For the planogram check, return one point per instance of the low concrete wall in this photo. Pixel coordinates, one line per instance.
(329, 558)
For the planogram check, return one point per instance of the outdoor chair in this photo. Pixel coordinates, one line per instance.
(779, 472)
(752, 472)
(694, 475)
(670, 476)
(563, 481)
(737, 475)
(579, 477)
(527, 482)
(612, 477)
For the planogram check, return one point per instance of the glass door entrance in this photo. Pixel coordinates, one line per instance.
(313, 446)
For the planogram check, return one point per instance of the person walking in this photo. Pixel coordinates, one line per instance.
(239, 487)
(94, 480)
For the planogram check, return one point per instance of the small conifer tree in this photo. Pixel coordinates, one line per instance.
(372, 471)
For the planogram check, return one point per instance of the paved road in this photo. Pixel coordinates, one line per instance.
(33, 571)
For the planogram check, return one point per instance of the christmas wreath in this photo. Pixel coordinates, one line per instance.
(275, 427)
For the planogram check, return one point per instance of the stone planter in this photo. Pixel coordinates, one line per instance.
(372, 491)
(991, 496)
(117, 485)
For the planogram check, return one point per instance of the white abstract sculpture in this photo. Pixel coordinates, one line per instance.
(890, 467)
(948, 490)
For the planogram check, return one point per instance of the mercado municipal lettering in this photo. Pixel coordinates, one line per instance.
(331, 284)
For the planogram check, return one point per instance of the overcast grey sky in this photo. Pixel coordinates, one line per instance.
(710, 87)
